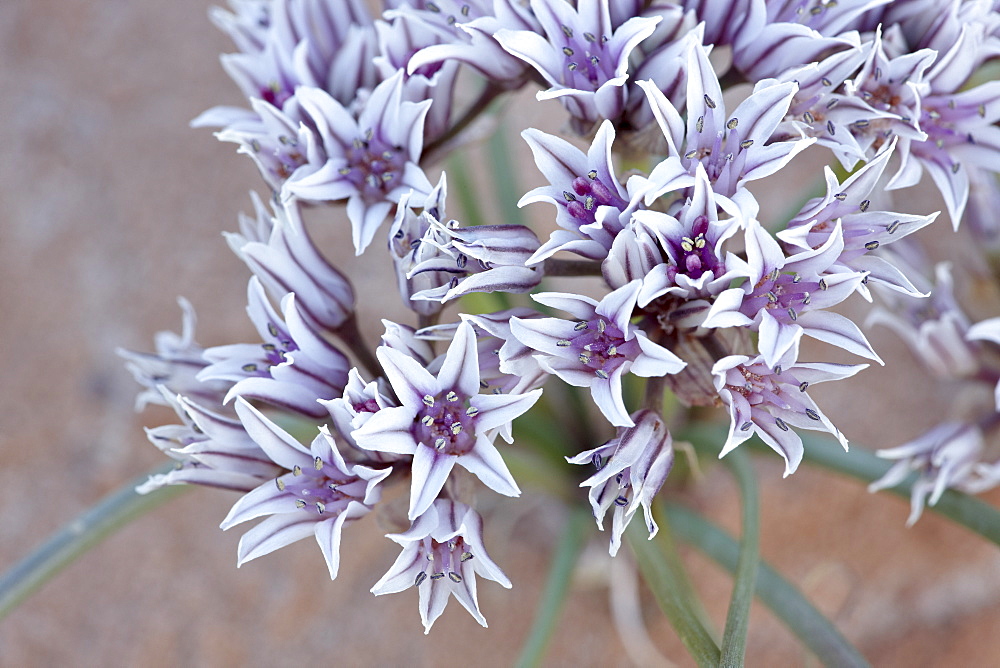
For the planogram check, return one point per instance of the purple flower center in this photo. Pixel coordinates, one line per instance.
(588, 193)
(785, 295)
(694, 254)
(275, 94)
(765, 387)
(588, 63)
(321, 488)
(446, 423)
(374, 167)
(601, 346)
(444, 559)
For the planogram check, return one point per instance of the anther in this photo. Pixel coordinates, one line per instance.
(428, 400)
(592, 175)
(440, 443)
(584, 358)
(580, 326)
(811, 414)
(822, 284)
(456, 428)
(249, 368)
(700, 124)
(568, 51)
(421, 576)
(955, 167)
(826, 82)
(864, 205)
(320, 507)
(280, 484)
(746, 426)
(871, 245)
(296, 470)
(892, 227)
(803, 386)
(437, 576)
(567, 31)
(690, 154)
(465, 556)
(344, 171)
(830, 127)
(451, 396)
(454, 577)
(300, 503)
(781, 424)
(612, 351)
(597, 461)
(808, 118)
(746, 143)
(777, 370)
(840, 197)
(602, 374)
(621, 501)
(427, 420)
(709, 101)
(601, 326)
(589, 36)
(472, 411)
(733, 122)
(568, 196)
(318, 464)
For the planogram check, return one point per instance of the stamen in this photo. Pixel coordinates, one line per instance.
(864, 205)
(456, 428)
(892, 227)
(451, 396)
(440, 443)
(746, 143)
(472, 411)
(428, 401)
(318, 464)
(320, 507)
(781, 424)
(811, 414)
(296, 470)
(803, 386)
(700, 124)
(280, 484)
(300, 503)
(454, 577)
(621, 501)
(562, 343)
(733, 122)
(437, 576)
(709, 101)
(421, 576)
(427, 420)
(602, 374)
(871, 245)
(840, 197)
(746, 426)
(465, 556)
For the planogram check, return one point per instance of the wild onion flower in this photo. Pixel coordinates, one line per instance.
(442, 555)
(768, 400)
(631, 469)
(597, 347)
(318, 495)
(443, 420)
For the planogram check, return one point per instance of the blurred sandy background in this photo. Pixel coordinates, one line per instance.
(110, 207)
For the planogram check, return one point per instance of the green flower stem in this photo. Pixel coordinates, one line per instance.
(556, 588)
(812, 628)
(504, 177)
(87, 530)
(661, 568)
(734, 638)
(864, 465)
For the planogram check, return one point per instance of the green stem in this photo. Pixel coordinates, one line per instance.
(811, 627)
(87, 530)
(556, 588)
(664, 573)
(734, 638)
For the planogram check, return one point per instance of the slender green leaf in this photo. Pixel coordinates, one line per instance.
(734, 638)
(811, 627)
(88, 529)
(661, 568)
(504, 177)
(556, 588)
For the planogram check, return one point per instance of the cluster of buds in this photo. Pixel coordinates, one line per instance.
(700, 293)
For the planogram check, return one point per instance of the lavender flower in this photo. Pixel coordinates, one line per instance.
(590, 203)
(442, 555)
(768, 400)
(945, 457)
(371, 160)
(174, 366)
(443, 420)
(631, 469)
(210, 449)
(597, 347)
(581, 56)
(319, 494)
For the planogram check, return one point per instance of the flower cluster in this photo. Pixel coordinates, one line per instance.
(681, 279)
